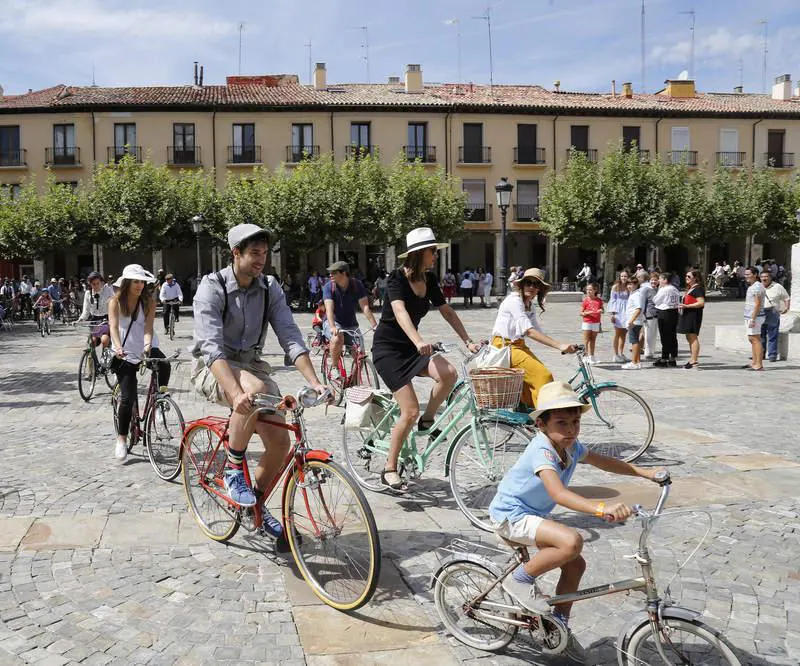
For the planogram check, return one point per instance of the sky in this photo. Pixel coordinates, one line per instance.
(582, 43)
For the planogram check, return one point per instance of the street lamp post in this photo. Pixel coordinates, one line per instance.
(503, 190)
(197, 225)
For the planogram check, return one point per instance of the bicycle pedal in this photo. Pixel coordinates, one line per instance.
(364, 453)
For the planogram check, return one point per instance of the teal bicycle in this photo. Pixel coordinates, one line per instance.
(477, 457)
(620, 423)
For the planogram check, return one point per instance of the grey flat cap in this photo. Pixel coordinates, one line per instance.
(339, 266)
(242, 232)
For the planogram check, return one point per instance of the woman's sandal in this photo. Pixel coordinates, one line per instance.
(398, 485)
(423, 427)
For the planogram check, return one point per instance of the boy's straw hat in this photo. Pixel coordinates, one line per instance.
(557, 395)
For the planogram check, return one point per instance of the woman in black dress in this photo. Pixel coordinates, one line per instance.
(399, 351)
(690, 317)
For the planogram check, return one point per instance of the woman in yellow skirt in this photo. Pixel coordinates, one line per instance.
(516, 320)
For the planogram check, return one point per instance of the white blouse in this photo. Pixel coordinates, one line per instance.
(513, 320)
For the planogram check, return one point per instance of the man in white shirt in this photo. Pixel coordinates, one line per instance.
(584, 275)
(95, 307)
(488, 281)
(776, 303)
(25, 288)
(172, 297)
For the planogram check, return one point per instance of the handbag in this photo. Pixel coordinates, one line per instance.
(494, 357)
(359, 408)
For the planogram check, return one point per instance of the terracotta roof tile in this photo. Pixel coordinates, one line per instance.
(260, 92)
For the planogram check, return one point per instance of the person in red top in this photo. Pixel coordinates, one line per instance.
(319, 314)
(591, 311)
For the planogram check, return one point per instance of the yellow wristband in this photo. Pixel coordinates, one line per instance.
(601, 510)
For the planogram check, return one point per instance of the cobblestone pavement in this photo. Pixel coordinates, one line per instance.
(101, 563)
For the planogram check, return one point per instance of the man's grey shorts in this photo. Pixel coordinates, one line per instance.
(206, 385)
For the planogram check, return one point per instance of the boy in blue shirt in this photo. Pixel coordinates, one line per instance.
(531, 490)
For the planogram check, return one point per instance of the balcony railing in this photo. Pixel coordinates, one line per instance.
(62, 156)
(354, 151)
(727, 159)
(247, 154)
(526, 212)
(13, 158)
(779, 160)
(422, 153)
(116, 153)
(591, 153)
(477, 212)
(644, 156)
(474, 155)
(295, 154)
(687, 157)
(528, 155)
(179, 156)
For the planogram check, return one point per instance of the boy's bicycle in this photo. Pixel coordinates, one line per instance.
(326, 518)
(475, 609)
(478, 456)
(620, 423)
(90, 366)
(362, 371)
(171, 327)
(160, 426)
(44, 320)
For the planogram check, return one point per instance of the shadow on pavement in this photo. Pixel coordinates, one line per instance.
(30, 381)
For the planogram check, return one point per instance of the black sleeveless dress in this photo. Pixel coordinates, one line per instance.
(396, 358)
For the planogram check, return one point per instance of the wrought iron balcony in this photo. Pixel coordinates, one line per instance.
(13, 158)
(295, 154)
(478, 212)
(779, 160)
(727, 159)
(474, 155)
(248, 154)
(180, 156)
(529, 155)
(686, 157)
(526, 212)
(591, 153)
(425, 154)
(354, 151)
(62, 156)
(116, 153)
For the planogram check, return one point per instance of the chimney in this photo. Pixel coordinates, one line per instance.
(413, 79)
(195, 72)
(200, 83)
(679, 88)
(613, 87)
(627, 89)
(320, 76)
(782, 89)
(739, 89)
(394, 80)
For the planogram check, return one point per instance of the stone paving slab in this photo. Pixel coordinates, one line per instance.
(427, 655)
(59, 532)
(12, 529)
(753, 461)
(156, 529)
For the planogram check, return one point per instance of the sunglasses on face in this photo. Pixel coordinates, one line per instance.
(531, 283)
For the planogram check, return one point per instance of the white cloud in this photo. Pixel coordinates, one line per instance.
(719, 46)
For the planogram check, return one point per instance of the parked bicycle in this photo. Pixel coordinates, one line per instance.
(473, 606)
(90, 366)
(326, 518)
(362, 371)
(478, 456)
(160, 426)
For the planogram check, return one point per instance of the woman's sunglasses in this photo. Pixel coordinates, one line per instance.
(531, 283)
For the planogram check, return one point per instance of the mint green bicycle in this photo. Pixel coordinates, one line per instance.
(478, 455)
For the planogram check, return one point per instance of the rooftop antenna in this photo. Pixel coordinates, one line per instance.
(764, 64)
(457, 23)
(691, 56)
(94, 82)
(241, 30)
(365, 46)
(488, 18)
(644, 87)
(741, 73)
(310, 70)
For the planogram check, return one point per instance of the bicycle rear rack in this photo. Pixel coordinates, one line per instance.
(461, 547)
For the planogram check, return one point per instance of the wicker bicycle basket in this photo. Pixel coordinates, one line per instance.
(497, 388)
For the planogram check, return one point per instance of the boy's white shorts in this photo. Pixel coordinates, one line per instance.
(521, 531)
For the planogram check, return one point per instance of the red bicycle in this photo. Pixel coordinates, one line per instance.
(326, 518)
(362, 371)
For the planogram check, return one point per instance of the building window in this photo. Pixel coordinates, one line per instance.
(10, 152)
(10, 190)
(244, 144)
(681, 152)
(527, 152)
(477, 210)
(359, 139)
(579, 137)
(527, 207)
(183, 149)
(124, 140)
(417, 142)
(776, 157)
(302, 142)
(64, 144)
(729, 155)
(472, 152)
(631, 136)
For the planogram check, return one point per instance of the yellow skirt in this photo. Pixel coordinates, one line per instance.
(536, 374)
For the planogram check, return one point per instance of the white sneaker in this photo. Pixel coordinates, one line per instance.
(121, 450)
(620, 358)
(631, 366)
(528, 595)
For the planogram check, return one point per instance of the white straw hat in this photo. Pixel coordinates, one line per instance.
(136, 272)
(419, 239)
(557, 395)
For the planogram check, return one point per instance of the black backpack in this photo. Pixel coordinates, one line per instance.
(264, 316)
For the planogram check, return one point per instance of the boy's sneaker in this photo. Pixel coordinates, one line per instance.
(237, 488)
(528, 595)
(270, 525)
(631, 366)
(121, 450)
(574, 650)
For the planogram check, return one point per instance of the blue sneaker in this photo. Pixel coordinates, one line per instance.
(271, 525)
(237, 488)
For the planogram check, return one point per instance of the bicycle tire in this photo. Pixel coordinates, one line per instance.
(456, 395)
(314, 349)
(163, 439)
(367, 374)
(473, 482)
(87, 375)
(135, 429)
(620, 434)
(171, 325)
(463, 628)
(364, 460)
(343, 576)
(334, 384)
(640, 648)
(204, 459)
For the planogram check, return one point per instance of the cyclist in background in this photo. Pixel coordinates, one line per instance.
(42, 305)
(95, 308)
(341, 295)
(171, 298)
